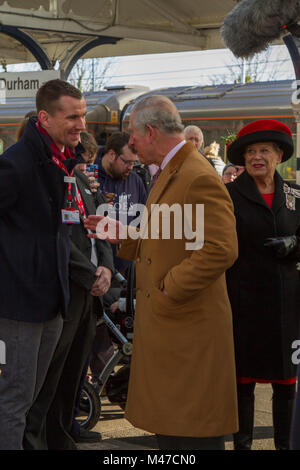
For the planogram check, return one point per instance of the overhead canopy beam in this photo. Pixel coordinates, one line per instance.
(27, 41)
(82, 48)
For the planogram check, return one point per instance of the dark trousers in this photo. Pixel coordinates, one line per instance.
(49, 421)
(190, 443)
(282, 406)
(75, 425)
(29, 350)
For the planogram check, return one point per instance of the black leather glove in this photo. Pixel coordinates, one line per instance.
(282, 246)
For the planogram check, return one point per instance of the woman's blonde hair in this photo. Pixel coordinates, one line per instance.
(212, 150)
(23, 123)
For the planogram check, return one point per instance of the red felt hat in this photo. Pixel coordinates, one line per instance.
(263, 130)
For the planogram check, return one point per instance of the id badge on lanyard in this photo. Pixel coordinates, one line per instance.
(69, 214)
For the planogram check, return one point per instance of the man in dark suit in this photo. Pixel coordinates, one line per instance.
(91, 267)
(34, 249)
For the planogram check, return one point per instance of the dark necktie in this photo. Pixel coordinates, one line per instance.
(154, 179)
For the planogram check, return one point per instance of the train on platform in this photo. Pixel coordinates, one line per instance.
(219, 110)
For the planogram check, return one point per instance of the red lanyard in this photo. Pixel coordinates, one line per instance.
(78, 198)
(79, 202)
(57, 158)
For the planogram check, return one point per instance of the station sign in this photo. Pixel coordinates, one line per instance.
(24, 84)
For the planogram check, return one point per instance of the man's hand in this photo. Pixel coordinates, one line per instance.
(114, 306)
(106, 228)
(102, 283)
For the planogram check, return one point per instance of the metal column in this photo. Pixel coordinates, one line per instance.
(293, 44)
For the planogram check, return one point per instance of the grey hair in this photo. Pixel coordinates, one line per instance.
(157, 111)
(193, 128)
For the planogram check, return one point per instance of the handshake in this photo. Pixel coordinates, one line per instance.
(283, 246)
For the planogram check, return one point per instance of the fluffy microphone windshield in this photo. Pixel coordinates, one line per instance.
(253, 24)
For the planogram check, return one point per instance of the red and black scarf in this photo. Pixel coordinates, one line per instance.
(65, 155)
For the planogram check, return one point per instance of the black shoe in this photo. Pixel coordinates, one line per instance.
(87, 436)
(282, 419)
(243, 438)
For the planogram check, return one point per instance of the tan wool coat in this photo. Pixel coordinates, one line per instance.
(182, 379)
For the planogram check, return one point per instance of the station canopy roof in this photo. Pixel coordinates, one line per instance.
(108, 28)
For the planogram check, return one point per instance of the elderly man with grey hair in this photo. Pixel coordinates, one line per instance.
(182, 383)
(195, 135)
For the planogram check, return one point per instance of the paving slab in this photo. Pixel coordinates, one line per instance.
(119, 434)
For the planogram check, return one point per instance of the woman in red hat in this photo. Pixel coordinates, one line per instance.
(263, 284)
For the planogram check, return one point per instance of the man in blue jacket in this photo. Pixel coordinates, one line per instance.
(37, 204)
(122, 186)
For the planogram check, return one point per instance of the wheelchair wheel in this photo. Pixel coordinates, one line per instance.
(89, 407)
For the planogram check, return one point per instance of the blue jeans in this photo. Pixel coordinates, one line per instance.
(29, 348)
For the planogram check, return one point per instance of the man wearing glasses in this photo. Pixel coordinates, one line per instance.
(122, 187)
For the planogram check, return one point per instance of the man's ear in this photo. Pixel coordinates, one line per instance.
(111, 155)
(151, 131)
(43, 117)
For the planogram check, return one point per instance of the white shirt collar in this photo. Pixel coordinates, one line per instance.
(171, 154)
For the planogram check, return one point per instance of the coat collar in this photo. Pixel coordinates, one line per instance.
(246, 186)
(168, 173)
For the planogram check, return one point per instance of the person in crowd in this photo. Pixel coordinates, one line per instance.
(119, 184)
(23, 124)
(102, 348)
(263, 284)
(91, 148)
(50, 421)
(34, 249)
(183, 316)
(195, 135)
(229, 173)
(123, 188)
(141, 170)
(212, 153)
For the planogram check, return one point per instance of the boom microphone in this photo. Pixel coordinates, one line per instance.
(253, 24)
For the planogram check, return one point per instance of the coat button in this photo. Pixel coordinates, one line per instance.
(147, 294)
(149, 261)
(138, 260)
